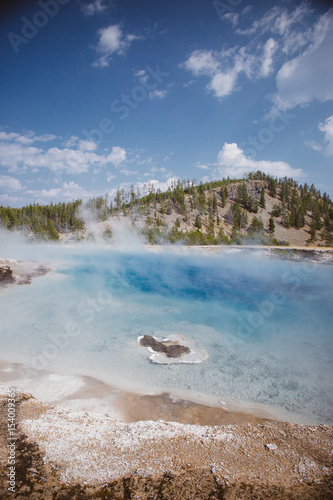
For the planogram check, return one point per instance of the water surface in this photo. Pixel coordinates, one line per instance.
(266, 324)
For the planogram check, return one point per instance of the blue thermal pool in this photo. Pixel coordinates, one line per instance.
(265, 324)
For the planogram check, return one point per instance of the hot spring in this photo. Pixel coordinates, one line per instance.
(265, 324)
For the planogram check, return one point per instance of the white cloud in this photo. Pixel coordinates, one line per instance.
(10, 182)
(69, 191)
(72, 141)
(327, 128)
(279, 32)
(267, 60)
(11, 201)
(295, 41)
(16, 156)
(51, 193)
(93, 8)
(313, 145)
(223, 84)
(73, 190)
(27, 139)
(277, 19)
(117, 156)
(225, 67)
(87, 145)
(202, 62)
(287, 25)
(202, 166)
(232, 17)
(68, 160)
(111, 41)
(157, 94)
(233, 163)
(309, 76)
(153, 183)
(128, 172)
(142, 75)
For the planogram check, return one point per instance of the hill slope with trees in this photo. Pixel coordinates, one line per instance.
(258, 209)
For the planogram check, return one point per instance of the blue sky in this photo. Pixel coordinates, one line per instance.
(98, 95)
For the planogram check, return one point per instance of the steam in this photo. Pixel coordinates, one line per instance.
(115, 231)
(253, 315)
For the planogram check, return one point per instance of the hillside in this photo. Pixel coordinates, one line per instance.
(258, 209)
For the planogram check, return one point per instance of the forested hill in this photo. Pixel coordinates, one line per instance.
(257, 209)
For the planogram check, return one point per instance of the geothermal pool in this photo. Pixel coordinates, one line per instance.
(265, 324)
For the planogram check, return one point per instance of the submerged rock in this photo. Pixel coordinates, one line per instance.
(170, 348)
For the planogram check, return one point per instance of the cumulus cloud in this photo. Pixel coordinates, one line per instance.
(280, 32)
(87, 145)
(65, 160)
(19, 157)
(202, 62)
(225, 67)
(72, 141)
(15, 155)
(26, 139)
(112, 40)
(50, 193)
(67, 192)
(147, 186)
(308, 76)
(223, 84)
(10, 182)
(233, 163)
(327, 128)
(6, 199)
(73, 190)
(117, 156)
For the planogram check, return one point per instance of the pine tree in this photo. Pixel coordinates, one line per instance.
(271, 225)
(198, 223)
(262, 198)
(256, 225)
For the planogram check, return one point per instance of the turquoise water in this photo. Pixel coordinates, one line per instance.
(266, 324)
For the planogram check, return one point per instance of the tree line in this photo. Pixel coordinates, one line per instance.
(198, 207)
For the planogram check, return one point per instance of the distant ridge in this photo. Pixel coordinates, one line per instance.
(258, 209)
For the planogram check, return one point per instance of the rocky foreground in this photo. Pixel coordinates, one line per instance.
(62, 453)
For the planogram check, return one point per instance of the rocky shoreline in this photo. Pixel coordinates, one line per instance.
(20, 272)
(62, 453)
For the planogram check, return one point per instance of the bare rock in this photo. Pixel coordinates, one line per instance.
(6, 275)
(271, 446)
(170, 348)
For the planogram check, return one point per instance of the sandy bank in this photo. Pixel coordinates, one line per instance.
(62, 453)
